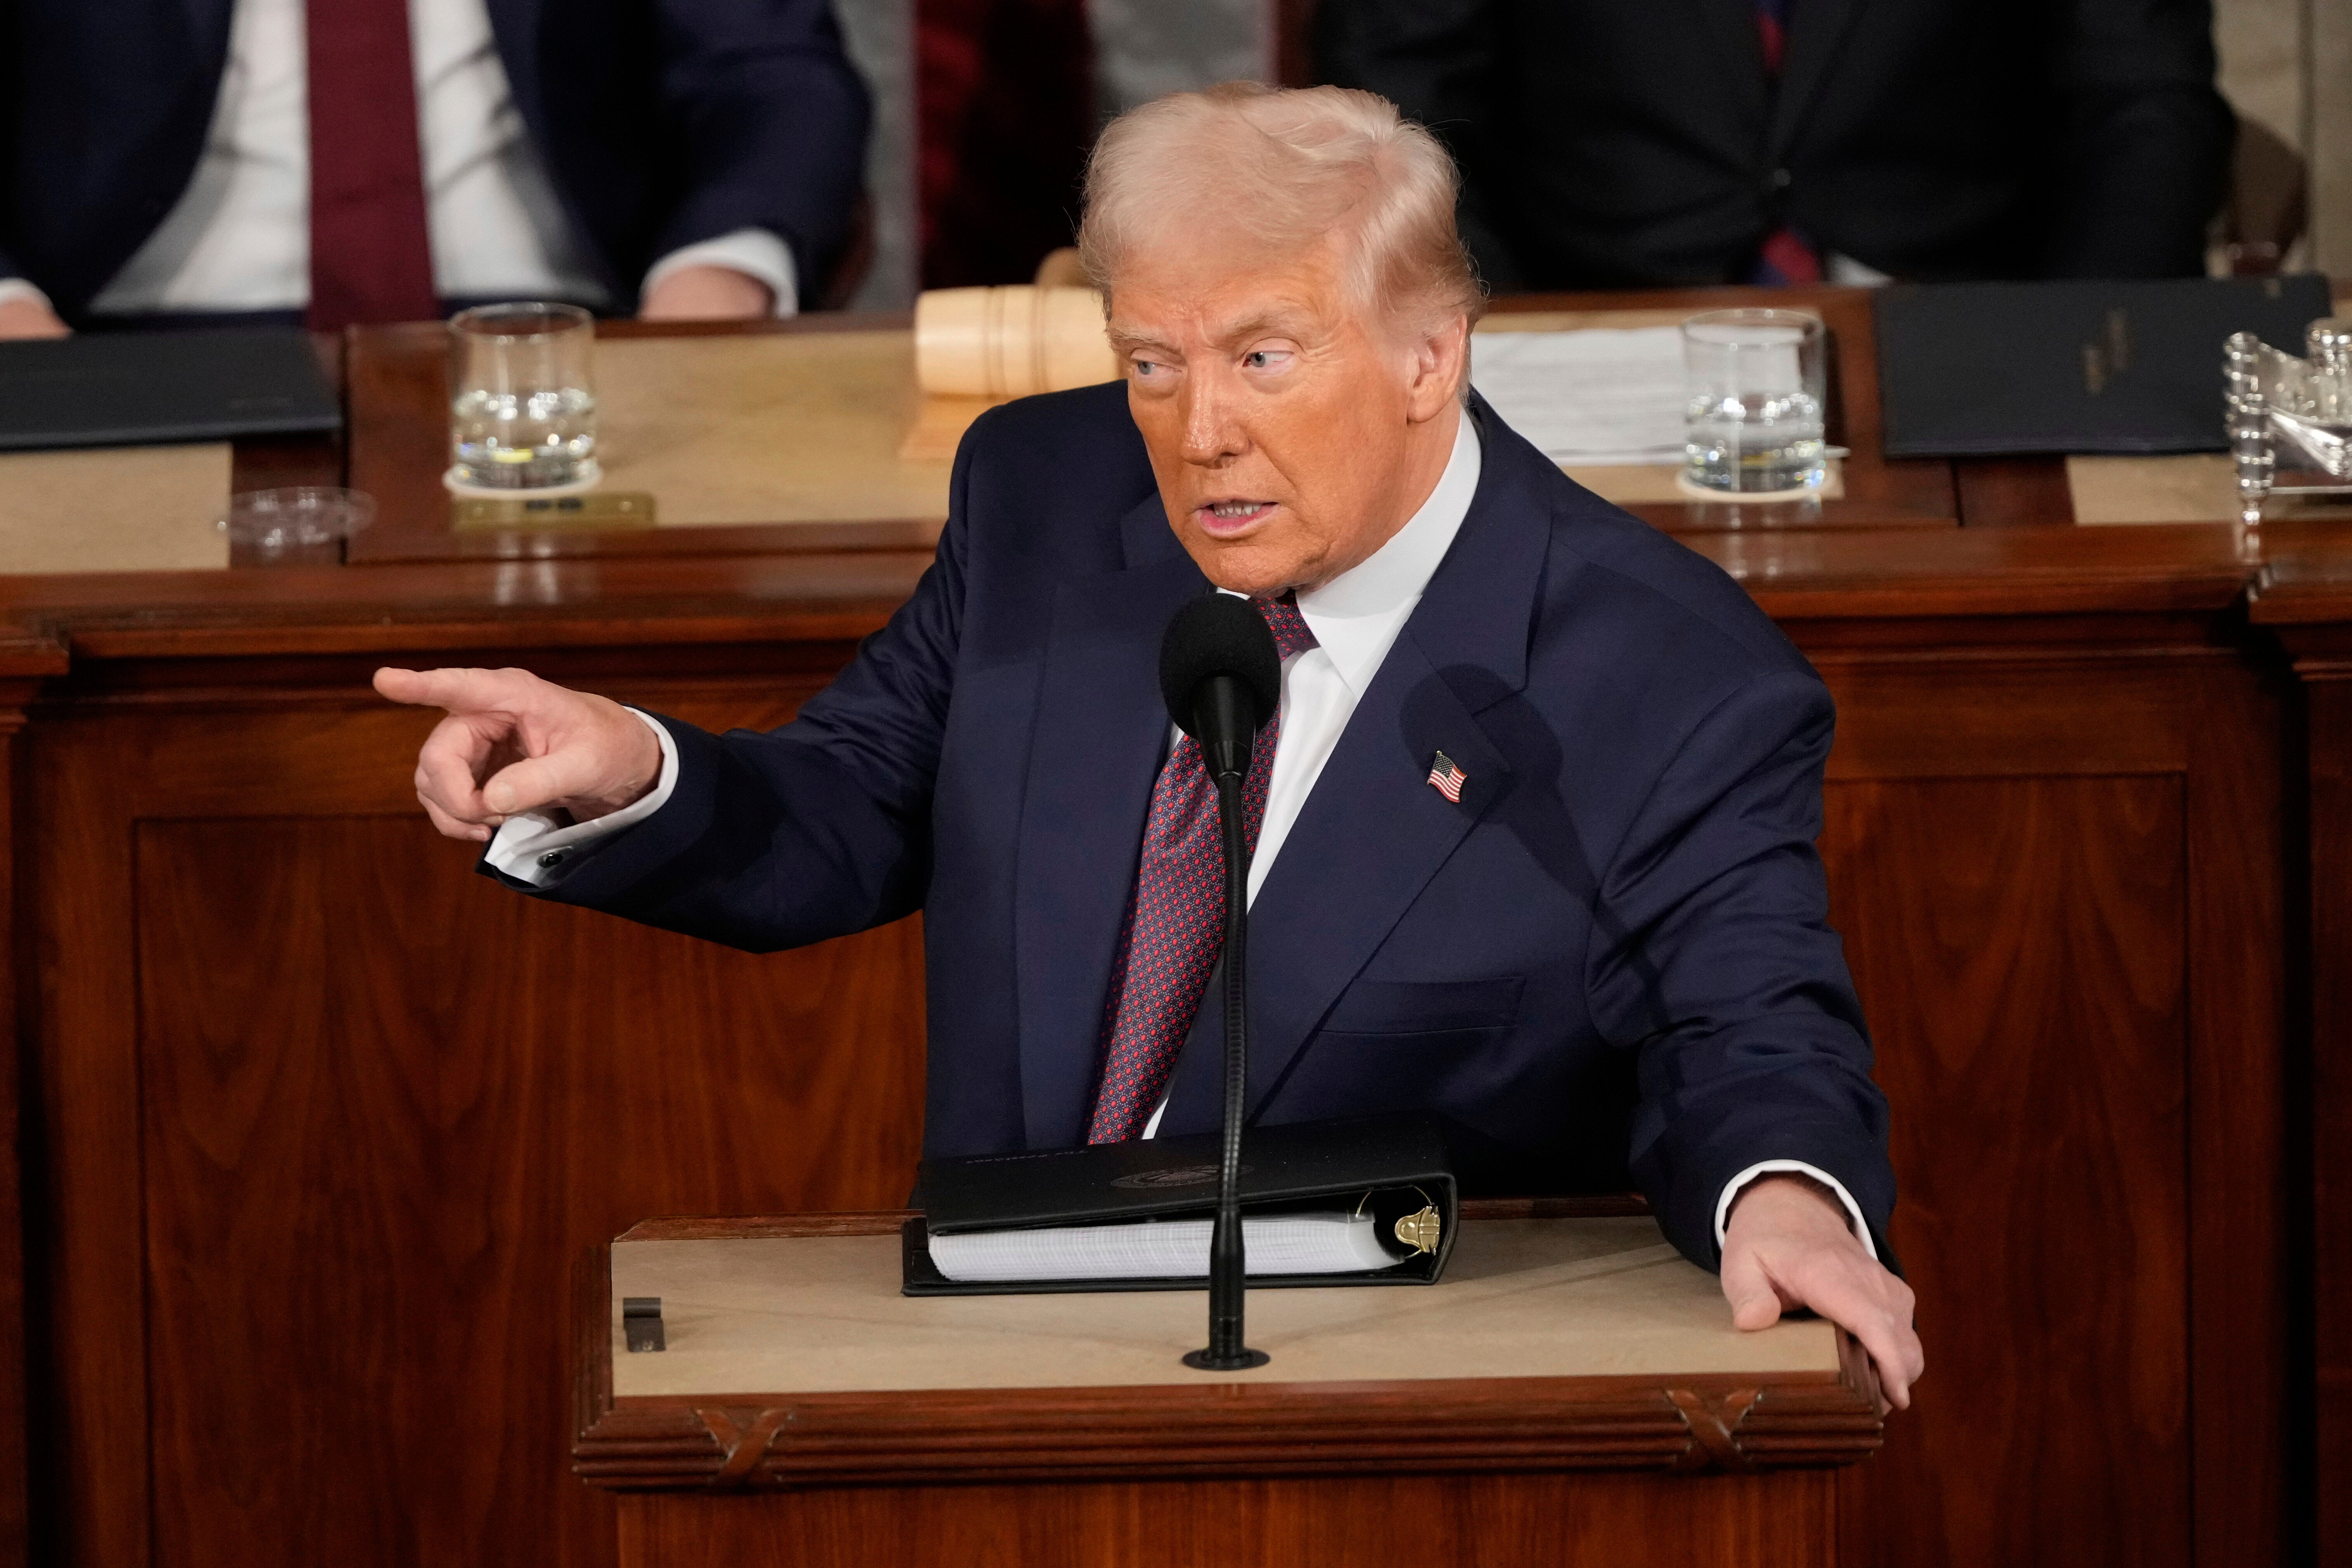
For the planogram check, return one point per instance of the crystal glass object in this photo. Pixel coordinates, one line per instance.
(523, 418)
(304, 521)
(1755, 381)
(2290, 418)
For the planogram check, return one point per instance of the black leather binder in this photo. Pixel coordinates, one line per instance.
(1397, 1165)
(128, 389)
(1992, 369)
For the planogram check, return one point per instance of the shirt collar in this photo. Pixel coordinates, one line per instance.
(1357, 616)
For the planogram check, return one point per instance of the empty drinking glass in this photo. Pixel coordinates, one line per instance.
(524, 417)
(1755, 381)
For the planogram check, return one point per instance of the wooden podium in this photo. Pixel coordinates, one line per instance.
(1572, 1393)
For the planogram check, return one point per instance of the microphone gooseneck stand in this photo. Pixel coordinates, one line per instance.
(1223, 711)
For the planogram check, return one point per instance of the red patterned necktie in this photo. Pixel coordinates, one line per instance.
(1177, 922)
(370, 253)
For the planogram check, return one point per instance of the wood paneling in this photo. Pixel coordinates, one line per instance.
(391, 1099)
(346, 1111)
(2019, 946)
(1521, 1521)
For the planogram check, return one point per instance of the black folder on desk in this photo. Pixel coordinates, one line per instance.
(1396, 1168)
(1993, 369)
(128, 389)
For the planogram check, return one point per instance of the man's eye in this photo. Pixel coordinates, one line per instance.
(1264, 359)
(1145, 367)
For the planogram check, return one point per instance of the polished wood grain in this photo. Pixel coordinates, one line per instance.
(2015, 492)
(373, 1105)
(1580, 1520)
(2018, 945)
(15, 1432)
(2310, 608)
(2064, 919)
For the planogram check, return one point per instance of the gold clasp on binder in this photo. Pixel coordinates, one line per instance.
(1419, 1231)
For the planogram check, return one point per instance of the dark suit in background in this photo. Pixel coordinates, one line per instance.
(1612, 951)
(660, 123)
(1614, 143)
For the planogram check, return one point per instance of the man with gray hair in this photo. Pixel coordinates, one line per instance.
(1534, 821)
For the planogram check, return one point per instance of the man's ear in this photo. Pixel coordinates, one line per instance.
(1441, 363)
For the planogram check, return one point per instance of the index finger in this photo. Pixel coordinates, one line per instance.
(457, 690)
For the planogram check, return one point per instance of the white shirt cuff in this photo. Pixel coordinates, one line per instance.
(753, 252)
(1731, 1190)
(12, 289)
(529, 847)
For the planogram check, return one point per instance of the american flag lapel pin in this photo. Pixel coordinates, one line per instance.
(1447, 778)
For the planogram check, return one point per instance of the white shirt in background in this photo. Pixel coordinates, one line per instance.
(239, 238)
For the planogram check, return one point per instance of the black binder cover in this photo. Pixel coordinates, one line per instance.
(127, 389)
(1402, 1160)
(1987, 369)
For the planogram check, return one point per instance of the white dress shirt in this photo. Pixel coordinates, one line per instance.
(1355, 618)
(239, 238)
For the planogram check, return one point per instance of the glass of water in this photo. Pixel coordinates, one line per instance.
(1756, 380)
(524, 417)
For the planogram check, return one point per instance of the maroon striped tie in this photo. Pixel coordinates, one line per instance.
(370, 254)
(1176, 924)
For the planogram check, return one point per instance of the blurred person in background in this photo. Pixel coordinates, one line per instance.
(338, 161)
(1627, 144)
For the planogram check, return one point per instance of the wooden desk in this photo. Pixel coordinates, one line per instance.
(316, 1119)
(1554, 1401)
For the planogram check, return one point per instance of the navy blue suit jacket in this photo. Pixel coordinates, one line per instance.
(1612, 952)
(661, 123)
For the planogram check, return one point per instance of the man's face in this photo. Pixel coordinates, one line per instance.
(1291, 435)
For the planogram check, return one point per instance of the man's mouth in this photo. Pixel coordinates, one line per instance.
(1226, 518)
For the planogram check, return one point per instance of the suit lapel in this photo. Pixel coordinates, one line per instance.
(1816, 29)
(1095, 753)
(1374, 830)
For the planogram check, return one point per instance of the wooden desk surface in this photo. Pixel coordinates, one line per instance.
(1521, 1298)
(1564, 1341)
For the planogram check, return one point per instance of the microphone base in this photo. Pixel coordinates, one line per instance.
(1203, 1360)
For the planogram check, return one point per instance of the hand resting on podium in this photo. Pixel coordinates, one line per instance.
(1788, 1246)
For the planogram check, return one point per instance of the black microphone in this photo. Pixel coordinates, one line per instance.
(1221, 677)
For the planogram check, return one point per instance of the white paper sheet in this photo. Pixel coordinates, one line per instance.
(1603, 395)
(1331, 1243)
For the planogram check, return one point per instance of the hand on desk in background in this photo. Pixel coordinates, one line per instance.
(1788, 1243)
(30, 318)
(707, 294)
(513, 742)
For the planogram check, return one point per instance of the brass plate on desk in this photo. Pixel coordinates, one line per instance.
(598, 509)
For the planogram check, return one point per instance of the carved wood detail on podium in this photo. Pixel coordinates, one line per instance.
(1207, 1429)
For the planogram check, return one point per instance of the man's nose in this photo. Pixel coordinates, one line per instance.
(1212, 432)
